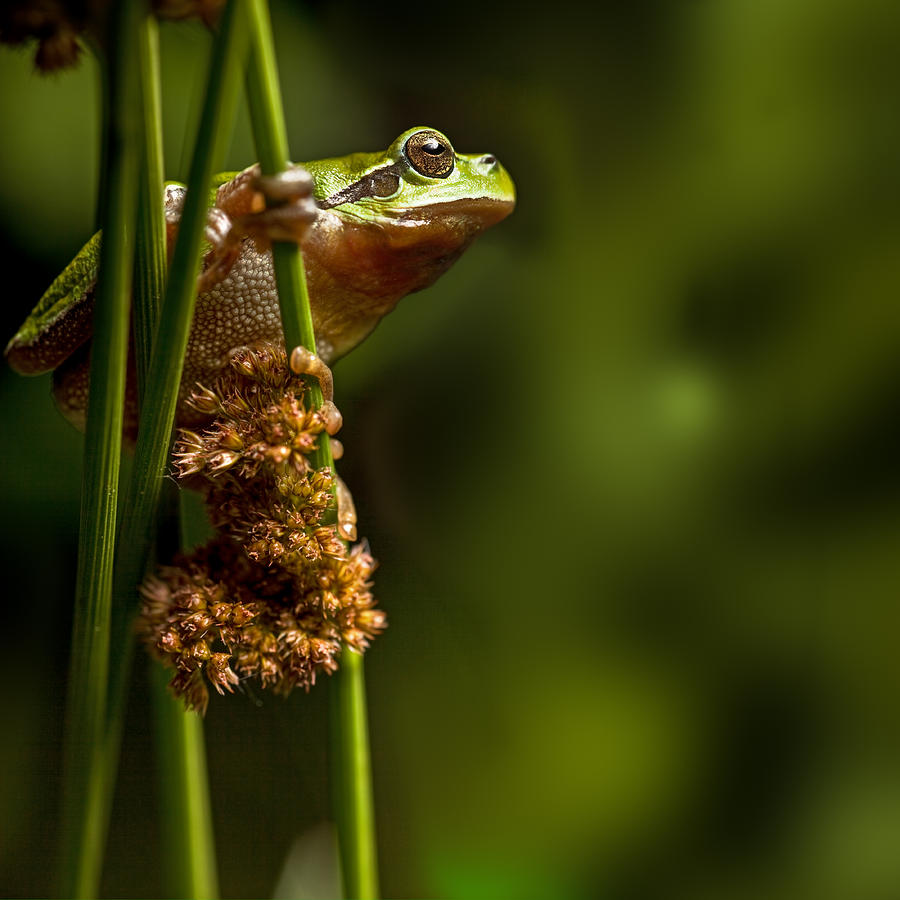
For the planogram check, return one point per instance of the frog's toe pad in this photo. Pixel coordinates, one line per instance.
(346, 510)
(288, 223)
(293, 183)
(305, 362)
(290, 207)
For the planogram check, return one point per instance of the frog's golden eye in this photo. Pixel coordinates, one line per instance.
(430, 153)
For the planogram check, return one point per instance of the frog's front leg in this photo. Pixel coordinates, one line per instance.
(218, 234)
(264, 208)
(269, 207)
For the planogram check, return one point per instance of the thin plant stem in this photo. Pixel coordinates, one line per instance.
(151, 235)
(161, 393)
(186, 813)
(352, 787)
(270, 135)
(350, 744)
(154, 438)
(188, 846)
(164, 377)
(86, 782)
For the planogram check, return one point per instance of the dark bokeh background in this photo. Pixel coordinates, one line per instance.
(630, 468)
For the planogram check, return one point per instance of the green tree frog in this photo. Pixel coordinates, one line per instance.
(373, 228)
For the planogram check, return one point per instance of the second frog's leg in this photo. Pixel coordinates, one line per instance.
(346, 510)
(305, 362)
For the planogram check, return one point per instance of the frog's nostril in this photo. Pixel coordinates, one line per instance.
(488, 160)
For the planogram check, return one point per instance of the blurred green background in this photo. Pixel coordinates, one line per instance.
(630, 468)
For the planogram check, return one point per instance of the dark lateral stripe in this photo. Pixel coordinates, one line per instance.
(367, 186)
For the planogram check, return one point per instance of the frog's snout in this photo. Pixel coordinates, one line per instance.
(487, 163)
(499, 185)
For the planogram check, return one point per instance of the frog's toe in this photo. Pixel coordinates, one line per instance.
(305, 362)
(288, 223)
(332, 417)
(225, 248)
(294, 183)
(346, 510)
(267, 208)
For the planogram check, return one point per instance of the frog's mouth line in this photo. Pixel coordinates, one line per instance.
(485, 211)
(441, 222)
(481, 211)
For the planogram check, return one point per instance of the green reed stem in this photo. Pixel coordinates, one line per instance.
(270, 135)
(186, 813)
(161, 393)
(350, 750)
(170, 344)
(352, 789)
(98, 756)
(186, 821)
(86, 782)
(151, 235)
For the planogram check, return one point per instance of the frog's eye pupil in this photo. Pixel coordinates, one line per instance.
(430, 154)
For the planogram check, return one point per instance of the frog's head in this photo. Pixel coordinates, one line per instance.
(419, 181)
(391, 223)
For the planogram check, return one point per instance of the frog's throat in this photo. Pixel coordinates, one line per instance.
(359, 270)
(469, 214)
(376, 263)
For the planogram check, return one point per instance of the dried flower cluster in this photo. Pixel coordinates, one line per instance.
(276, 593)
(59, 25)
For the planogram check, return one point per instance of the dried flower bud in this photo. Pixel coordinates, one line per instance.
(219, 673)
(219, 462)
(204, 400)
